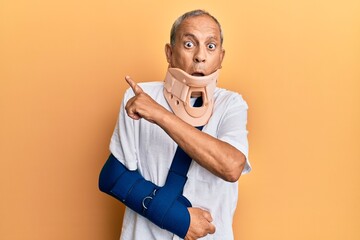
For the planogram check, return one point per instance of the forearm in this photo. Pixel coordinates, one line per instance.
(219, 157)
(167, 209)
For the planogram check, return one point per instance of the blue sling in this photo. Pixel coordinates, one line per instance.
(165, 206)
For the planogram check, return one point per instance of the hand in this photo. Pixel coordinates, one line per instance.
(142, 105)
(200, 224)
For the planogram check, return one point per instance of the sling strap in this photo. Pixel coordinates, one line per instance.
(165, 206)
(165, 197)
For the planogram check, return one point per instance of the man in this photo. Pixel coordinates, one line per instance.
(154, 120)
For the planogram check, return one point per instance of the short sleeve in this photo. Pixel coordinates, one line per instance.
(122, 144)
(232, 128)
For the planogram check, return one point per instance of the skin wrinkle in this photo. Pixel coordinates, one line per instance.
(178, 56)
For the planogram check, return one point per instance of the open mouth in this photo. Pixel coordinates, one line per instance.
(198, 74)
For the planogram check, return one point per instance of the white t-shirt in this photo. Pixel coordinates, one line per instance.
(145, 146)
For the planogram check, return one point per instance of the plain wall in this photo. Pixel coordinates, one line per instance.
(62, 68)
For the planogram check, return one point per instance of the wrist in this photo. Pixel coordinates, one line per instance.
(163, 117)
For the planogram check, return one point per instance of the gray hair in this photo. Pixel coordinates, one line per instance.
(187, 15)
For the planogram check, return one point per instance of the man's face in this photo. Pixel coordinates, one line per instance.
(197, 48)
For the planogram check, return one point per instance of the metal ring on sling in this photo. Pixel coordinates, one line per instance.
(148, 197)
(143, 201)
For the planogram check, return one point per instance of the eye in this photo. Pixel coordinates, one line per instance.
(189, 44)
(211, 46)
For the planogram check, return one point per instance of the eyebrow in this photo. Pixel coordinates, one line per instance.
(193, 36)
(189, 35)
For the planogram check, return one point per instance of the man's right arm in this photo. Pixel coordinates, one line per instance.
(187, 222)
(144, 197)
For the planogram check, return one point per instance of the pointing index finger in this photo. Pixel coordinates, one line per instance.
(136, 88)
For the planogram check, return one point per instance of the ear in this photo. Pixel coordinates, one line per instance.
(222, 55)
(168, 52)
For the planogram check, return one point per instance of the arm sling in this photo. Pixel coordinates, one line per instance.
(165, 206)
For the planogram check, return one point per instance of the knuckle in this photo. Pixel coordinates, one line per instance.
(213, 229)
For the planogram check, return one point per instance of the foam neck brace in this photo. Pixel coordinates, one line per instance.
(180, 86)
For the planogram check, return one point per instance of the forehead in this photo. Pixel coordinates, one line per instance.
(199, 26)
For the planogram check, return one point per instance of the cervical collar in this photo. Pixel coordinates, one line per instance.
(180, 86)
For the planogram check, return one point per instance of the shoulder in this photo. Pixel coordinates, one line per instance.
(227, 98)
(151, 86)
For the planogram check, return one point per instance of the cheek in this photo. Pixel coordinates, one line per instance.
(217, 61)
(181, 60)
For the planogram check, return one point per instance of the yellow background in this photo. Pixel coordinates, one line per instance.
(62, 68)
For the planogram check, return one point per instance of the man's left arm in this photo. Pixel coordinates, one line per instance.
(219, 157)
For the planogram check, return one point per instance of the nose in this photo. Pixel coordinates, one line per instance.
(200, 55)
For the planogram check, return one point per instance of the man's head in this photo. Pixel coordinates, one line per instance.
(195, 44)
